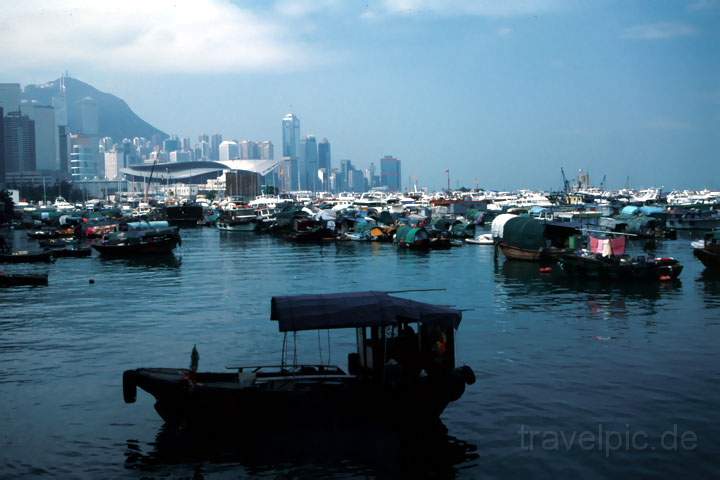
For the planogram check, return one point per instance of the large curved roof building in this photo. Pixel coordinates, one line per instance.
(195, 172)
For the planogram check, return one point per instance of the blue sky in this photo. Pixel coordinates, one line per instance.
(502, 93)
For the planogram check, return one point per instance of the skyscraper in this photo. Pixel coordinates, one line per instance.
(291, 148)
(19, 143)
(310, 164)
(46, 135)
(266, 150)
(215, 142)
(390, 173)
(324, 163)
(228, 151)
(89, 118)
(2, 149)
(10, 97)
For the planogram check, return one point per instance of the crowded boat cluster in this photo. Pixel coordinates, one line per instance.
(584, 232)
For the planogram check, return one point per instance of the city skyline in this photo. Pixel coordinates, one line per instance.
(502, 94)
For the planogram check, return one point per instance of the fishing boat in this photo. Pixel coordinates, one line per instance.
(415, 238)
(620, 268)
(187, 215)
(140, 238)
(26, 257)
(528, 239)
(16, 279)
(708, 250)
(239, 220)
(402, 372)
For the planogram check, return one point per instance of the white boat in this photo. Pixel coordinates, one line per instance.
(484, 239)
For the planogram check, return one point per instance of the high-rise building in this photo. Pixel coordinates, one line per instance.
(46, 149)
(63, 152)
(390, 173)
(114, 161)
(84, 158)
(171, 144)
(266, 150)
(324, 163)
(19, 137)
(89, 117)
(2, 149)
(228, 150)
(215, 142)
(10, 97)
(249, 150)
(309, 164)
(186, 144)
(202, 150)
(291, 135)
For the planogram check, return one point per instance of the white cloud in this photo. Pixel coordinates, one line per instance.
(301, 8)
(163, 36)
(659, 31)
(487, 8)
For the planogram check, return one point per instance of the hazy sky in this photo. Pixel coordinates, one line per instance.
(503, 93)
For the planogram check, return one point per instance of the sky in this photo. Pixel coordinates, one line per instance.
(500, 93)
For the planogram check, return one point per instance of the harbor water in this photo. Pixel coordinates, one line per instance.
(574, 378)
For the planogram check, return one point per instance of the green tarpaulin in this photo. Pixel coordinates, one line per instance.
(524, 232)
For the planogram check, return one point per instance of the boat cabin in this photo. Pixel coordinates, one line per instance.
(396, 337)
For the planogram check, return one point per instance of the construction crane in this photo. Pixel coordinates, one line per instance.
(602, 184)
(566, 184)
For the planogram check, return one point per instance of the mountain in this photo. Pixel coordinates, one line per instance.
(115, 118)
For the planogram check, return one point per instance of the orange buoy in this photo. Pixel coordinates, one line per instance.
(545, 269)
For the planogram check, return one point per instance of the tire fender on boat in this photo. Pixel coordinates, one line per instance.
(129, 386)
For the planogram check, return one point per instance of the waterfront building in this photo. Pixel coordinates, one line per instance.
(390, 173)
(215, 142)
(324, 163)
(179, 156)
(46, 150)
(89, 117)
(114, 161)
(228, 150)
(10, 97)
(84, 163)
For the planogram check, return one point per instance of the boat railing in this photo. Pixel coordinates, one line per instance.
(300, 369)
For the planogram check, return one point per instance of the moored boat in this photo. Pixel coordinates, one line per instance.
(403, 371)
(528, 239)
(18, 279)
(71, 252)
(621, 268)
(26, 257)
(708, 250)
(140, 238)
(241, 220)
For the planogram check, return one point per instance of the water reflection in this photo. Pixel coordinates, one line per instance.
(144, 262)
(314, 454)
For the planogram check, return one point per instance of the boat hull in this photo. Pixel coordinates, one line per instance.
(709, 257)
(158, 247)
(662, 269)
(236, 227)
(8, 280)
(512, 252)
(27, 258)
(216, 401)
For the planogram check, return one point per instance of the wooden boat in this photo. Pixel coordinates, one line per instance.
(415, 238)
(708, 250)
(26, 257)
(71, 252)
(525, 238)
(402, 373)
(620, 268)
(187, 215)
(14, 280)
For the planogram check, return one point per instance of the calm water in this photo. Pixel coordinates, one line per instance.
(560, 359)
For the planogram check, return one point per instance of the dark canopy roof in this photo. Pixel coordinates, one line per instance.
(355, 309)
